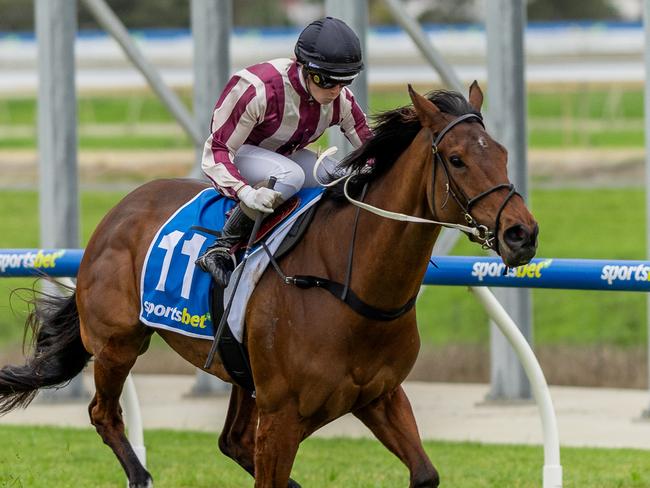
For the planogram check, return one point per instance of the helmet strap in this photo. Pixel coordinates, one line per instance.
(305, 76)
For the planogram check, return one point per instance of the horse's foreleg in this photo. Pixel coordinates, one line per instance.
(106, 416)
(237, 440)
(276, 444)
(391, 419)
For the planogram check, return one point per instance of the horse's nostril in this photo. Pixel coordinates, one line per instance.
(517, 236)
(533, 237)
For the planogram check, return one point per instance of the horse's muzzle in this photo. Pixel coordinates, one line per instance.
(520, 244)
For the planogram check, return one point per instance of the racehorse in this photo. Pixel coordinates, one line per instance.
(313, 357)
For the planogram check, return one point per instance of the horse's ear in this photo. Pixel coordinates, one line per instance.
(475, 96)
(424, 108)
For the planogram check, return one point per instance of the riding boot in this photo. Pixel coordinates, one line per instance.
(217, 258)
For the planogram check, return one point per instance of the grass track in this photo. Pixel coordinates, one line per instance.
(53, 458)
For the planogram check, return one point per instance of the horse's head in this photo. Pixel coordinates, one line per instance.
(470, 183)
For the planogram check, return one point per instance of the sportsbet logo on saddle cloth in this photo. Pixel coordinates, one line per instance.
(174, 292)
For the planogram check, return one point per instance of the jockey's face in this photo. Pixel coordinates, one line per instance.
(324, 96)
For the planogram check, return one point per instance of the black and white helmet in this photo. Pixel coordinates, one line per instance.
(330, 48)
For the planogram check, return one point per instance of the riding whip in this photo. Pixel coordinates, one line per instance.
(226, 312)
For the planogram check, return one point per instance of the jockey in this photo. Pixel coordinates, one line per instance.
(266, 116)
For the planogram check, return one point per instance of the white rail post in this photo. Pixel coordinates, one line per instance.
(552, 472)
(131, 407)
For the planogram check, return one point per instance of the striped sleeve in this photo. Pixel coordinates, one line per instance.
(353, 121)
(239, 109)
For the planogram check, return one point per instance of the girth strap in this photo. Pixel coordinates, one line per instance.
(350, 298)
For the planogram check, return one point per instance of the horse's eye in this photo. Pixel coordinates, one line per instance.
(456, 162)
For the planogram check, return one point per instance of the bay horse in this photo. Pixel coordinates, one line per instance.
(313, 358)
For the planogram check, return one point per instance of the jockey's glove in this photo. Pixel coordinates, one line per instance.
(261, 199)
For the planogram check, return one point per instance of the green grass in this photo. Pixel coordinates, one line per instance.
(578, 116)
(56, 458)
(575, 138)
(574, 223)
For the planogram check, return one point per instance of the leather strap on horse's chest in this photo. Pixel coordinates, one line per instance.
(347, 296)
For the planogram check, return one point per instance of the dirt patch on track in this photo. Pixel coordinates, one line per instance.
(588, 167)
(20, 168)
(593, 366)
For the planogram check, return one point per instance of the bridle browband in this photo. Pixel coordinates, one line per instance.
(487, 238)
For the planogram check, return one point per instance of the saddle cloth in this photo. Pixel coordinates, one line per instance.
(175, 293)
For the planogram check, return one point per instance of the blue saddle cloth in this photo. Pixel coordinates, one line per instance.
(174, 292)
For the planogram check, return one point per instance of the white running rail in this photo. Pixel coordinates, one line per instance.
(552, 472)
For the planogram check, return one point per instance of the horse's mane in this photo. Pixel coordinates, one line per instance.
(393, 132)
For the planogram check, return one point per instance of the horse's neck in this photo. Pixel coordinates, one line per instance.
(390, 256)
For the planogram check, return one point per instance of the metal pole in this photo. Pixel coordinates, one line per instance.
(112, 24)
(355, 14)
(211, 28)
(421, 40)
(56, 28)
(646, 105)
(507, 121)
(57, 124)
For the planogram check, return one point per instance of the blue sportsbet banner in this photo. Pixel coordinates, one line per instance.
(572, 274)
(57, 263)
(578, 274)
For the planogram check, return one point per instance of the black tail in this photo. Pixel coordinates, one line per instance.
(58, 353)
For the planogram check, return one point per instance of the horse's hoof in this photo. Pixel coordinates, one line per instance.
(146, 484)
(293, 484)
(428, 482)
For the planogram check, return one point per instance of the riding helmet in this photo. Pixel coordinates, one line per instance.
(330, 47)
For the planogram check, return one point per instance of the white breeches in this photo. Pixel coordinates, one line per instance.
(293, 172)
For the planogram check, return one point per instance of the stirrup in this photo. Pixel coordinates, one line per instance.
(219, 262)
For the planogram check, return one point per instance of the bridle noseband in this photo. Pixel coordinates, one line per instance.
(484, 235)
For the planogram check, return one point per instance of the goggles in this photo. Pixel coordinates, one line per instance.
(326, 82)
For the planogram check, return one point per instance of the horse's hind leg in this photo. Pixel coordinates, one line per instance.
(391, 419)
(237, 439)
(112, 365)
